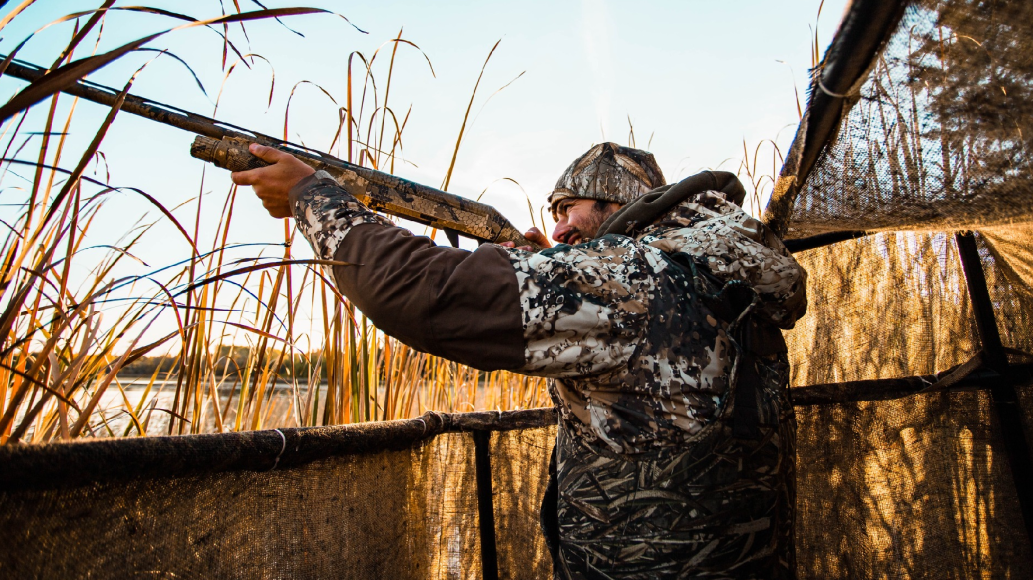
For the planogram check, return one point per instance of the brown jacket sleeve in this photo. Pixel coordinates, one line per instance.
(453, 303)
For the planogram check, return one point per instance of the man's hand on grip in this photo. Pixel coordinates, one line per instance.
(272, 184)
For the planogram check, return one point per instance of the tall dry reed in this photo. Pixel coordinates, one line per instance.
(61, 360)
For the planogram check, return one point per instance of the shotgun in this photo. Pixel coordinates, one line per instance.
(226, 146)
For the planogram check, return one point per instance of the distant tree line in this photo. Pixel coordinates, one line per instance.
(229, 360)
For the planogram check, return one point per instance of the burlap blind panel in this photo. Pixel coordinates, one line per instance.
(915, 487)
(392, 514)
(520, 470)
(937, 139)
(888, 305)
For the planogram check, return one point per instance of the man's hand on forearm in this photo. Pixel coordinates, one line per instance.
(272, 184)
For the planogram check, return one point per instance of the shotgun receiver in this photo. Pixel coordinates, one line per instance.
(226, 146)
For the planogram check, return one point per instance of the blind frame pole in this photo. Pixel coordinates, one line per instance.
(485, 505)
(1002, 391)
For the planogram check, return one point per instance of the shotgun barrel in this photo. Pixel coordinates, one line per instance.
(226, 146)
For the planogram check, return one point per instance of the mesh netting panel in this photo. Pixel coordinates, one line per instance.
(942, 132)
(392, 514)
(520, 472)
(889, 305)
(912, 488)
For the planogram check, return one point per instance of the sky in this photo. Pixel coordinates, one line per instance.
(697, 80)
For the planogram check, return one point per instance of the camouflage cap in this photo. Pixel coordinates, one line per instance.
(608, 172)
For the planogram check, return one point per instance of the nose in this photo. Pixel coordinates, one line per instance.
(560, 232)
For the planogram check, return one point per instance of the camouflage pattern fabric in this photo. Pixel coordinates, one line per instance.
(608, 172)
(733, 246)
(656, 476)
(720, 507)
(675, 455)
(325, 213)
(640, 360)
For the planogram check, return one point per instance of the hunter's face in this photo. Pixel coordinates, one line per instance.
(578, 219)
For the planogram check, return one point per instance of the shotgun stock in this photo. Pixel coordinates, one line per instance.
(226, 146)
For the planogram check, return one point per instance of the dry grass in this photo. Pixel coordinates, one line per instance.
(60, 359)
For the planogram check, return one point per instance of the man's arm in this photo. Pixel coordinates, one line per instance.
(453, 303)
(449, 302)
(553, 314)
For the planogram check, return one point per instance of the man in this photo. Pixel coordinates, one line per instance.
(658, 318)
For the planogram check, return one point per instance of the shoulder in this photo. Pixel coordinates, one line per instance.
(733, 245)
(585, 307)
(612, 263)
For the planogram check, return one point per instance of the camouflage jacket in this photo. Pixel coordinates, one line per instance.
(621, 323)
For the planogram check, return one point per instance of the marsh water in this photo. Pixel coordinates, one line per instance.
(111, 418)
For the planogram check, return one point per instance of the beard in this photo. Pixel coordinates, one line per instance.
(588, 230)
